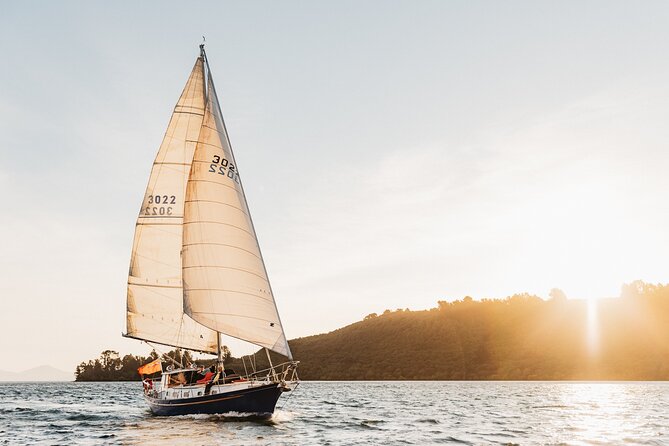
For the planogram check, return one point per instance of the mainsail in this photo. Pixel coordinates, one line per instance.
(155, 293)
(196, 267)
(225, 282)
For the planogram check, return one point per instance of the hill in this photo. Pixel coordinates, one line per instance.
(521, 337)
(41, 373)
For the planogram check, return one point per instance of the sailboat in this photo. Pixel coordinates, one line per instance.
(196, 270)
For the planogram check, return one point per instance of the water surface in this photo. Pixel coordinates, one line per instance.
(351, 413)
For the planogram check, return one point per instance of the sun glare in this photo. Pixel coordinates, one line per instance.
(592, 331)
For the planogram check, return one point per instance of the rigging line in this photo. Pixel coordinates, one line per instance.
(285, 402)
(166, 356)
(246, 372)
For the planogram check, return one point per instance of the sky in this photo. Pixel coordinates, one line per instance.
(395, 153)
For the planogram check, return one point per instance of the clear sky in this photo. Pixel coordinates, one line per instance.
(394, 153)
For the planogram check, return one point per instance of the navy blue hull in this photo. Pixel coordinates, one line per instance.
(259, 401)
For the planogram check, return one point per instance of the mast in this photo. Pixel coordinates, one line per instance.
(218, 337)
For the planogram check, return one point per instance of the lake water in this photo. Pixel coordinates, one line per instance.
(349, 413)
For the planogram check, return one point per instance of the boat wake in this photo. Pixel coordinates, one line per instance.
(230, 417)
(282, 416)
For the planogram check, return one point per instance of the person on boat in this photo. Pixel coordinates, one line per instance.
(209, 385)
(206, 379)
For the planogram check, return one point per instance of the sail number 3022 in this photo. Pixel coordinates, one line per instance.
(223, 167)
(159, 205)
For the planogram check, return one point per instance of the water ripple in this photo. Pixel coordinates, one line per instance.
(350, 413)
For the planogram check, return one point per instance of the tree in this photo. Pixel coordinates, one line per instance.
(556, 294)
(227, 355)
(110, 360)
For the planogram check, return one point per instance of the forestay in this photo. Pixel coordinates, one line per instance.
(155, 294)
(225, 282)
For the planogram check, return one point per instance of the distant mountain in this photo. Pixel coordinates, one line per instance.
(41, 373)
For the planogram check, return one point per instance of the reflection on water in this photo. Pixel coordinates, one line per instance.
(598, 410)
(343, 413)
(201, 429)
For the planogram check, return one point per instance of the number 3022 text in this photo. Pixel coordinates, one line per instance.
(159, 205)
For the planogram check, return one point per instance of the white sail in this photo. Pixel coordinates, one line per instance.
(225, 282)
(155, 294)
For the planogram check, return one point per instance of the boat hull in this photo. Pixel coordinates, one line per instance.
(258, 401)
